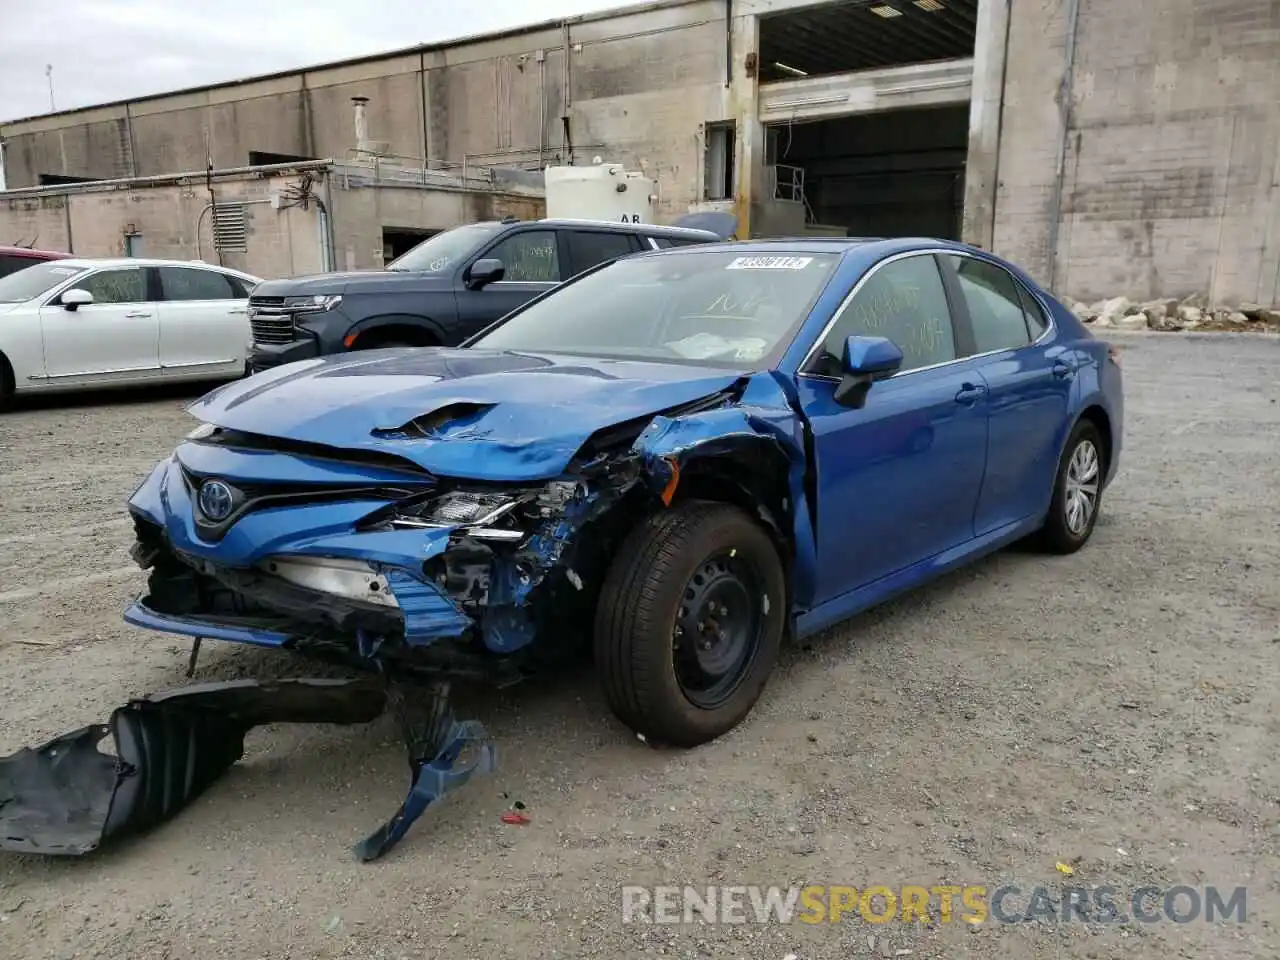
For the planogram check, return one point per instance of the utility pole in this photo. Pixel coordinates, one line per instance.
(48, 72)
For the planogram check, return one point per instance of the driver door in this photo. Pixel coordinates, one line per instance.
(117, 337)
(898, 479)
(533, 264)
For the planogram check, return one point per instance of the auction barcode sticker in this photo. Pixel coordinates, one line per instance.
(769, 263)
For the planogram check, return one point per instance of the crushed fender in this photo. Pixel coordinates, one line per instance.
(68, 798)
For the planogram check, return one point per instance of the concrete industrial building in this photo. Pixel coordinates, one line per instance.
(1107, 147)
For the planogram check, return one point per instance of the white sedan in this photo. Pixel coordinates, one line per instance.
(88, 323)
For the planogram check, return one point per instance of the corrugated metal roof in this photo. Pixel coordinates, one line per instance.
(864, 34)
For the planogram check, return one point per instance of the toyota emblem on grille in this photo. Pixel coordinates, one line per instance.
(216, 500)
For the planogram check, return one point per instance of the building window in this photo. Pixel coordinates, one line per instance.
(718, 180)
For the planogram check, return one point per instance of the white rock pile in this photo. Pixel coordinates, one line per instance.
(1191, 313)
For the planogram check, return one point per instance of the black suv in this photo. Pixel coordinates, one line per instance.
(447, 287)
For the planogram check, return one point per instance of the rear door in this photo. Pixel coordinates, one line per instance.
(534, 263)
(1029, 379)
(204, 322)
(117, 337)
(588, 248)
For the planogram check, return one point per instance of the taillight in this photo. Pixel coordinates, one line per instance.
(1113, 354)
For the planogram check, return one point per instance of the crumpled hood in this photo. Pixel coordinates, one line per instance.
(480, 414)
(359, 281)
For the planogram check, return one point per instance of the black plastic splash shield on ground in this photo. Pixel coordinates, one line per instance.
(68, 798)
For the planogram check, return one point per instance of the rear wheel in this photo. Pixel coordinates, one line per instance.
(1077, 492)
(689, 623)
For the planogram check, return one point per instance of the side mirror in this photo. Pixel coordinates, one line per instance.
(74, 299)
(485, 271)
(866, 360)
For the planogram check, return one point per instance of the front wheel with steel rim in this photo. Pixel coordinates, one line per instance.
(1077, 492)
(689, 622)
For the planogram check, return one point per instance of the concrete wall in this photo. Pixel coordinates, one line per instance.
(639, 85)
(360, 214)
(92, 222)
(1170, 141)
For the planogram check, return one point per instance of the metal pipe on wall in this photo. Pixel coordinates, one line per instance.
(566, 97)
(728, 43)
(1065, 91)
(92, 186)
(542, 107)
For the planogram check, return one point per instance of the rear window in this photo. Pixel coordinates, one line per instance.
(677, 242)
(13, 262)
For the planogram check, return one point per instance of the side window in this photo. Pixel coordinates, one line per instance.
(686, 243)
(187, 283)
(589, 247)
(11, 264)
(116, 286)
(529, 256)
(1037, 322)
(662, 242)
(994, 305)
(903, 301)
(240, 288)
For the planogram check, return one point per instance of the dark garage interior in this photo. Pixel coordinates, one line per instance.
(882, 174)
(893, 173)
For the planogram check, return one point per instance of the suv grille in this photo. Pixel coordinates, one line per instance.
(269, 321)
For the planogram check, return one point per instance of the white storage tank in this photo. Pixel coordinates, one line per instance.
(601, 191)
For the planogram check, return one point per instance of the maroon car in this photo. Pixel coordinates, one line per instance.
(13, 259)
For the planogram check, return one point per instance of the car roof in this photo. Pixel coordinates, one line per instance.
(613, 226)
(649, 229)
(88, 262)
(873, 246)
(35, 254)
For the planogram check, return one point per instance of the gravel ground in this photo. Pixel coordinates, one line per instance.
(1113, 711)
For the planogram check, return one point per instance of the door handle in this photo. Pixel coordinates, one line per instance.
(137, 316)
(1063, 370)
(971, 393)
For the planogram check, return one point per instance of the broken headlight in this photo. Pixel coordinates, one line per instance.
(474, 510)
(468, 507)
(489, 515)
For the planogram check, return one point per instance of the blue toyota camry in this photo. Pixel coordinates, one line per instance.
(668, 464)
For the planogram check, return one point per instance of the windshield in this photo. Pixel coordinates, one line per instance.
(30, 282)
(443, 251)
(715, 308)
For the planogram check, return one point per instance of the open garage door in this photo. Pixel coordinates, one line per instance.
(867, 105)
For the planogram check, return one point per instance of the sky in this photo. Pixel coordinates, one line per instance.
(104, 50)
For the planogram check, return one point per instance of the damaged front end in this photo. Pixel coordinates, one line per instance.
(437, 578)
(395, 570)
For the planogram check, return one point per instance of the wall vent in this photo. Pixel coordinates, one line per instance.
(230, 228)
